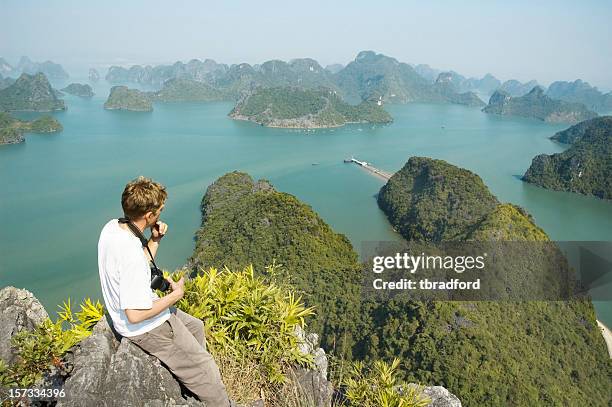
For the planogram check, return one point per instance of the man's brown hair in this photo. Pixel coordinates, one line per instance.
(142, 195)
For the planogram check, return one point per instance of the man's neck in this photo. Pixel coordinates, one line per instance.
(141, 224)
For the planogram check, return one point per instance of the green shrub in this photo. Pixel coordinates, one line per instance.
(248, 318)
(39, 349)
(381, 387)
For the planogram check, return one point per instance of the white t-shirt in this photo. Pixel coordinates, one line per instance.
(125, 277)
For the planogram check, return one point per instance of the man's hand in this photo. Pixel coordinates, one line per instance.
(138, 315)
(158, 231)
(178, 287)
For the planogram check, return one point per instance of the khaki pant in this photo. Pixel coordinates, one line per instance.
(180, 344)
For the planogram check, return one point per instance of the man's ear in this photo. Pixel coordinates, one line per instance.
(148, 215)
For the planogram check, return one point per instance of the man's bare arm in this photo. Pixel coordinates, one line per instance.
(138, 315)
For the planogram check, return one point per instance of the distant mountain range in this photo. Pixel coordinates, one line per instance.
(581, 92)
(51, 70)
(368, 76)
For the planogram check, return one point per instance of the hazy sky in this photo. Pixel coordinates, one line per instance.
(543, 40)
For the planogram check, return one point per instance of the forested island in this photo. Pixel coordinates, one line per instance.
(187, 90)
(12, 129)
(249, 222)
(451, 343)
(78, 89)
(290, 107)
(31, 93)
(537, 105)
(585, 167)
(123, 98)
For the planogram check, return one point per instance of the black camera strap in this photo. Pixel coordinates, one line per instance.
(139, 235)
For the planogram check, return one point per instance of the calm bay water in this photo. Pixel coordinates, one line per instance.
(58, 190)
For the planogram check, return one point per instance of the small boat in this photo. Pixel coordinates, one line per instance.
(315, 163)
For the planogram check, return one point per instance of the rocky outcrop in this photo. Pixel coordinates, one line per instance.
(106, 371)
(19, 310)
(537, 105)
(440, 397)
(314, 387)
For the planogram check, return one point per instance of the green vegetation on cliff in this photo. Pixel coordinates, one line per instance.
(12, 129)
(433, 201)
(38, 350)
(484, 352)
(539, 106)
(303, 108)
(585, 168)
(246, 222)
(30, 92)
(123, 98)
(77, 89)
(187, 90)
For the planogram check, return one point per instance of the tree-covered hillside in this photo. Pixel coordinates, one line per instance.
(537, 105)
(484, 352)
(246, 222)
(30, 92)
(585, 168)
(187, 90)
(305, 108)
(123, 98)
(510, 353)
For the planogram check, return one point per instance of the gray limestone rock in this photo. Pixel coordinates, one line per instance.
(19, 310)
(314, 387)
(440, 397)
(107, 372)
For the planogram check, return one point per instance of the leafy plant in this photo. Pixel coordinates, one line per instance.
(45, 346)
(248, 318)
(380, 387)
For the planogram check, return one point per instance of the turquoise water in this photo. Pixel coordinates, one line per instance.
(58, 190)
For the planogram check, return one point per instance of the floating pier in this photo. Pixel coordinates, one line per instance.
(369, 167)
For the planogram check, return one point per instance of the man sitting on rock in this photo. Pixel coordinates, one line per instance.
(173, 336)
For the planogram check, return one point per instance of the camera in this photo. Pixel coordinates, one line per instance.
(158, 282)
